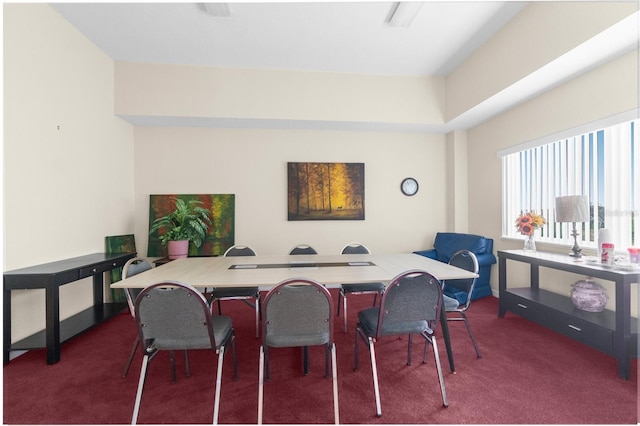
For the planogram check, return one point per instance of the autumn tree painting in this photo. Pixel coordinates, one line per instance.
(325, 191)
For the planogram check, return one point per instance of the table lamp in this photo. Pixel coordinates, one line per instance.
(573, 208)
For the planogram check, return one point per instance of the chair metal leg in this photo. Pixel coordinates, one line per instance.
(216, 403)
(410, 346)
(445, 401)
(234, 354)
(131, 355)
(473, 339)
(187, 368)
(143, 375)
(344, 301)
(334, 368)
(356, 351)
(261, 384)
(172, 360)
(305, 360)
(257, 317)
(374, 368)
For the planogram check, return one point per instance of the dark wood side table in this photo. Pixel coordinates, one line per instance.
(614, 333)
(50, 276)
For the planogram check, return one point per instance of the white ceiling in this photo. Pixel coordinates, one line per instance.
(345, 37)
(349, 37)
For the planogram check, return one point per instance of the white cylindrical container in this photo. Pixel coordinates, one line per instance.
(604, 236)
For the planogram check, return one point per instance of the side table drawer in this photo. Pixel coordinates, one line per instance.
(526, 308)
(583, 331)
(102, 267)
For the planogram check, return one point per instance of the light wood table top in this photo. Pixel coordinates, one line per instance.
(267, 271)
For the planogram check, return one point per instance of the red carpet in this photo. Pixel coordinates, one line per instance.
(527, 375)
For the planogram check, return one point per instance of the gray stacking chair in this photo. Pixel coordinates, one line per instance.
(297, 312)
(303, 249)
(239, 293)
(463, 259)
(174, 316)
(360, 288)
(410, 305)
(133, 267)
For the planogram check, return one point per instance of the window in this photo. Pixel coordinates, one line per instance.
(603, 164)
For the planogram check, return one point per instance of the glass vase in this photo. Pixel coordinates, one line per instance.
(529, 244)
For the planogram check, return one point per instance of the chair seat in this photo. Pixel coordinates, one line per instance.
(222, 328)
(363, 287)
(368, 319)
(293, 340)
(224, 292)
(449, 303)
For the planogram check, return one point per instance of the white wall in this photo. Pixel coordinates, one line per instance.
(252, 165)
(68, 165)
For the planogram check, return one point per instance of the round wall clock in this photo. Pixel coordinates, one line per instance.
(409, 186)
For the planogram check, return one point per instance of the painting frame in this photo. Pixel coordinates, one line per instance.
(221, 233)
(325, 191)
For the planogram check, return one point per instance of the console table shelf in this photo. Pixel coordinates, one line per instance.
(73, 325)
(612, 332)
(50, 276)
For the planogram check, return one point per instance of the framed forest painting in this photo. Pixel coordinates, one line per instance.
(221, 233)
(325, 191)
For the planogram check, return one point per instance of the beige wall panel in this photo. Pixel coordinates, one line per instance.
(190, 91)
(542, 32)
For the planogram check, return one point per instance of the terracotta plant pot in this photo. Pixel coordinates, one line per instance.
(178, 249)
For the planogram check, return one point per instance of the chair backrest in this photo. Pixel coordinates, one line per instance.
(410, 302)
(303, 249)
(172, 315)
(297, 312)
(134, 267)
(467, 260)
(355, 248)
(239, 250)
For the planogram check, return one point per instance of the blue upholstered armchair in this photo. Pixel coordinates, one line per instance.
(447, 243)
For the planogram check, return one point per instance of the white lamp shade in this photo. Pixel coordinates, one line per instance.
(572, 208)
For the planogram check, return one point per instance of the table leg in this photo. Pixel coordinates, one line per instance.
(447, 339)
(6, 324)
(98, 290)
(52, 301)
(502, 285)
(622, 336)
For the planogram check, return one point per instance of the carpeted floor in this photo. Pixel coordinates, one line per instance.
(527, 375)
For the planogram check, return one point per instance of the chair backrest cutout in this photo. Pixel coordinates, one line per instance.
(355, 248)
(239, 250)
(303, 249)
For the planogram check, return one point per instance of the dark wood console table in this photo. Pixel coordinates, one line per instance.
(50, 276)
(614, 333)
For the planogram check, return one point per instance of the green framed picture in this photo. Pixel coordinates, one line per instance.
(221, 233)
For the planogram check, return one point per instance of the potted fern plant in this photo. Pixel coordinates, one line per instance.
(188, 223)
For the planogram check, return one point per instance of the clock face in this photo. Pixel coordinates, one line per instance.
(409, 186)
